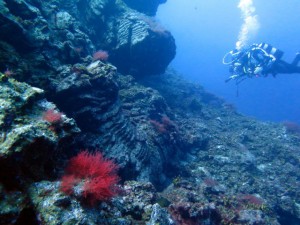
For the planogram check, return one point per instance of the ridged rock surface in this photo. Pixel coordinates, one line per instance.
(59, 32)
(93, 100)
(220, 167)
(141, 46)
(49, 44)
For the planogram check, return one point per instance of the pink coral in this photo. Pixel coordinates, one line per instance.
(100, 55)
(52, 116)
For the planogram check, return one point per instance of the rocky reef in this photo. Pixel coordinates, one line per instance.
(92, 75)
(147, 7)
(242, 172)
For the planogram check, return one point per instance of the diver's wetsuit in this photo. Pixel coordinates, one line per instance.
(283, 67)
(259, 60)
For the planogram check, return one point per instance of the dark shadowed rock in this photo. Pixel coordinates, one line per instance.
(12, 204)
(148, 7)
(138, 44)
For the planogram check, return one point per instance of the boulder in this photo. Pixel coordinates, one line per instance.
(149, 7)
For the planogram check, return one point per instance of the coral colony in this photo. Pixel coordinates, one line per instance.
(100, 55)
(93, 175)
(52, 116)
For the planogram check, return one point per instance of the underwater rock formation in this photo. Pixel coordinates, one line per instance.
(141, 46)
(248, 169)
(110, 120)
(148, 7)
(53, 51)
(27, 140)
(54, 33)
(29, 143)
(212, 164)
(137, 204)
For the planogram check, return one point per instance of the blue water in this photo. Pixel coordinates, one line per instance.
(206, 30)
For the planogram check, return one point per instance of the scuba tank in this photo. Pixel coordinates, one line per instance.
(271, 50)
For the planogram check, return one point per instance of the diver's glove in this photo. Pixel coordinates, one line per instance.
(258, 70)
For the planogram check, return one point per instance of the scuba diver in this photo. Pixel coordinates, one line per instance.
(259, 60)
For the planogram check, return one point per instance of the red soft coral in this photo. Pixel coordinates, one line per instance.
(96, 175)
(52, 116)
